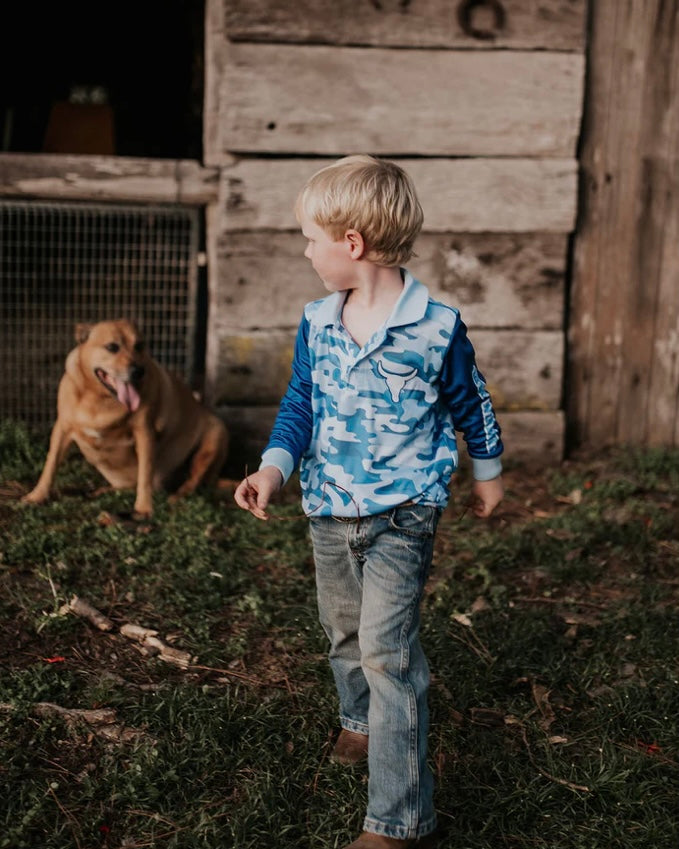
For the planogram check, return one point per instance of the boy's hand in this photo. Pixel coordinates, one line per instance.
(255, 491)
(486, 495)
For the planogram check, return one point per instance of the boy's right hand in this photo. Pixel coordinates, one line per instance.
(486, 496)
(254, 492)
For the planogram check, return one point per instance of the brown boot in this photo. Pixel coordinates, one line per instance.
(368, 840)
(350, 748)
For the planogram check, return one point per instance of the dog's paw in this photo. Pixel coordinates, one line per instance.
(141, 515)
(34, 497)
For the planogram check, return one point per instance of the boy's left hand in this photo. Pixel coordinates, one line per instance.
(486, 495)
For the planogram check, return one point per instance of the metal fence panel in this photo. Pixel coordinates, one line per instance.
(65, 263)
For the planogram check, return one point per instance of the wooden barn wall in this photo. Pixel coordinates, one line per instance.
(624, 318)
(482, 109)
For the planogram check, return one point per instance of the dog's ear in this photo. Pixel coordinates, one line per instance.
(82, 331)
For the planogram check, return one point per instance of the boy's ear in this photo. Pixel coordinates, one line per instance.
(355, 242)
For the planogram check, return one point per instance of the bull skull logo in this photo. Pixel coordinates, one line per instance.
(396, 381)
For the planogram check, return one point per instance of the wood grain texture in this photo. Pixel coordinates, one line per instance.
(458, 195)
(279, 98)
(496, 280)
(215, 50)
(623, 384)
(107, 178)
(503, 280)
(527, 24)
(523, 369)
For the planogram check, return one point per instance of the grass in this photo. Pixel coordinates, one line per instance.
(551, 632)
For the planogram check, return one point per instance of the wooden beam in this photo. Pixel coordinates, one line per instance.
(215, 51)
(502, 280)
(457, 195)
(525, 24)
(623, 377)
(279, 98)
(107, 178)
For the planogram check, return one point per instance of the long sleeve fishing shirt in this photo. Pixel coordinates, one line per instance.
(373, 427)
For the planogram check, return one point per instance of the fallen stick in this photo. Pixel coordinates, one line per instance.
(571, 786)
(82, 608)
(101, 721)
(147, 639)
(152, 645)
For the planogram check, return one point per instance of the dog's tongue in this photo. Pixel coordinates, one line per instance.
(127, 395)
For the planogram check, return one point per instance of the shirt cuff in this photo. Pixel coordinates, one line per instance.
(487, 468)
(281, 459)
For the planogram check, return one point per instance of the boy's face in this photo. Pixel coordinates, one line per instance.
(332, 261)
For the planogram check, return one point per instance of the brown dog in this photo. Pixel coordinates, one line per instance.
(133, 421)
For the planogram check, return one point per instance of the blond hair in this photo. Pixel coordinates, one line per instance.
(373, 196)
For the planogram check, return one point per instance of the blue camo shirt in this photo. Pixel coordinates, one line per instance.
(374, 427)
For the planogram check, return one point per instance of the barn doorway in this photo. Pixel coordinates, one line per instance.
(121, 79)
(137, 65)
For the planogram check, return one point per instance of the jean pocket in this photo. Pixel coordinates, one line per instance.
(415, 520)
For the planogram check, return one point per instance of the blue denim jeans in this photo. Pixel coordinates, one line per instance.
(370, 577)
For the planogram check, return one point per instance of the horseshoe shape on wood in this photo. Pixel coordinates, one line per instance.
(464, 17)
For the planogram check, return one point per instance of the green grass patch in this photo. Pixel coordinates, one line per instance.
(551, 633)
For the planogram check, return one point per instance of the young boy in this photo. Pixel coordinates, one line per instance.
(382, 377)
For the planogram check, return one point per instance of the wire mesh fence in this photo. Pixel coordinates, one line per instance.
(66, 263)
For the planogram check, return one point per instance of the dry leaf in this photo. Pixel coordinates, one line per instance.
(462, 619)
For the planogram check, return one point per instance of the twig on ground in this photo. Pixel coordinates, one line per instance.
(101, 721)
(242, 676)
(75, 825)
(575, 787)
(573, 601)
(475, 644)
(151, 645)
(82, 608)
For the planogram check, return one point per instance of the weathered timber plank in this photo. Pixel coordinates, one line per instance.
(496, 280)
(502, 280)
(253, 368)
(333, 100)
(458, 195)
(215, 43)
(527, 436)
(213, 223)
(524, 369)
(264, 280)
(527, 24)
(534, 436)
(663, 386)
(652, 350)
(108, 178)
(623, 385)
(651, 214)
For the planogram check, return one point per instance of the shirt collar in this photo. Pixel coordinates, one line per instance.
(410, 307)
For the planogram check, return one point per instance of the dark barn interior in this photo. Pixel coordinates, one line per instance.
(122, 78)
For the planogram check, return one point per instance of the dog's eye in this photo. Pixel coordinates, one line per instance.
(112, 347)
(139, 347)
